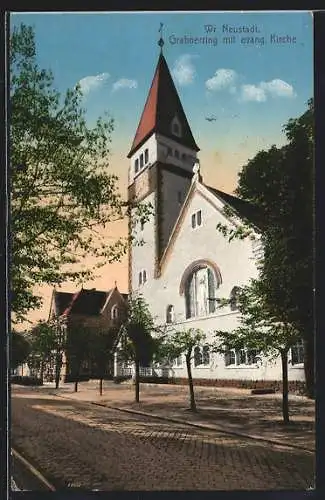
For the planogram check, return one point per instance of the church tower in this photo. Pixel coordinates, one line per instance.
(162, 157)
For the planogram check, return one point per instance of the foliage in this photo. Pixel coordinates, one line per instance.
(101, 349)
(62, 192)
(174, 344)
(24, 380)
(137, 342)
(279, 182)
(44, 342)
(78, 347)
(20, 349)
(260, 329)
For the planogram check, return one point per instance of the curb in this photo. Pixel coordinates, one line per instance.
(216, 428)
(32, 469)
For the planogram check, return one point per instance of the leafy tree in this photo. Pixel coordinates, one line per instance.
(260, 329)
(101, 350)
(44, 346)
(20, 349)
(137, 343)
(177, 343)
(279, 184)
(78, 347)
(62, 192)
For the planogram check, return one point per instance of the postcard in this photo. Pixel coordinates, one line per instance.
(162, 279)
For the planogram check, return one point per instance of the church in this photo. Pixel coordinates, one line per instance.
(185, 265)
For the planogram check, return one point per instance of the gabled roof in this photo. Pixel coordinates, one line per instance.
(243, 208)
(161, 106)
(62, 301)
(87, 302)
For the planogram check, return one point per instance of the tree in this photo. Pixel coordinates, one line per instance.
(137, 343)
(62, 192)
(279, 184)
(78, 348)
(177, 343)
(44, 346)
(101, 350)
(20, 349)
(261, 331)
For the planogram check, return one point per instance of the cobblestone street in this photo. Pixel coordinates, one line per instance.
(76, 444)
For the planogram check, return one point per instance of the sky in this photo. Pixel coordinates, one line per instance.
(247, 72)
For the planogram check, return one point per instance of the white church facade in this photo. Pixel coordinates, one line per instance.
(185, 264)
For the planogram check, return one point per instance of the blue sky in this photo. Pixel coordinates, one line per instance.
(251, 90)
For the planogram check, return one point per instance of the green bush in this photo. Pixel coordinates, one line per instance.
(25, 380)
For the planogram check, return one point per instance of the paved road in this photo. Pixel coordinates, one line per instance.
(80, 445)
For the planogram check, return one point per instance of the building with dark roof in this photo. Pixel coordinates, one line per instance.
(91, 309)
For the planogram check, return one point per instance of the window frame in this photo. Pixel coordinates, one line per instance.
(141, 161)
(176, 129)
(170, 314)
(136, 166)
(241, 358)
(114, 312)
(197, 218)
(192, 309)
(298, 349)
(146, 156)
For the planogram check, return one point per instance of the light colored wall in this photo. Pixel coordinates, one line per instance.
(171, 184)
(237, 264)
(162, 148)
(151, 145)
(143, 257)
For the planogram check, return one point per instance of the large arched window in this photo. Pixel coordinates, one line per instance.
(200, 283)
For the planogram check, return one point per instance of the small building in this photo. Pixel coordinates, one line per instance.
(92, 309)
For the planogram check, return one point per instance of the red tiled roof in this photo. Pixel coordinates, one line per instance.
(162, 104)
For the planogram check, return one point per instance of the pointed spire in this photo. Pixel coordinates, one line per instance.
(162, 105)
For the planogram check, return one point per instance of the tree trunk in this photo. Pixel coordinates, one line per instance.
(285, 387)
(58, 370)
(309, 365)
(137, 381)
(190, 381)
(42, 371)
(101, 387)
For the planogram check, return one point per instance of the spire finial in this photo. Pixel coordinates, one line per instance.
(161, 40)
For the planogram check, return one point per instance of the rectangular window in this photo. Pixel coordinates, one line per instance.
(251, 356)
(297, 353)
(136, 166)
(146, 156)
(169, 151)
(196, 219)
(176, 153)
(230, 358)
(179, 361)
(141, 160)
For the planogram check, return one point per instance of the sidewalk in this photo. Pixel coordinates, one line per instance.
(225, 409)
